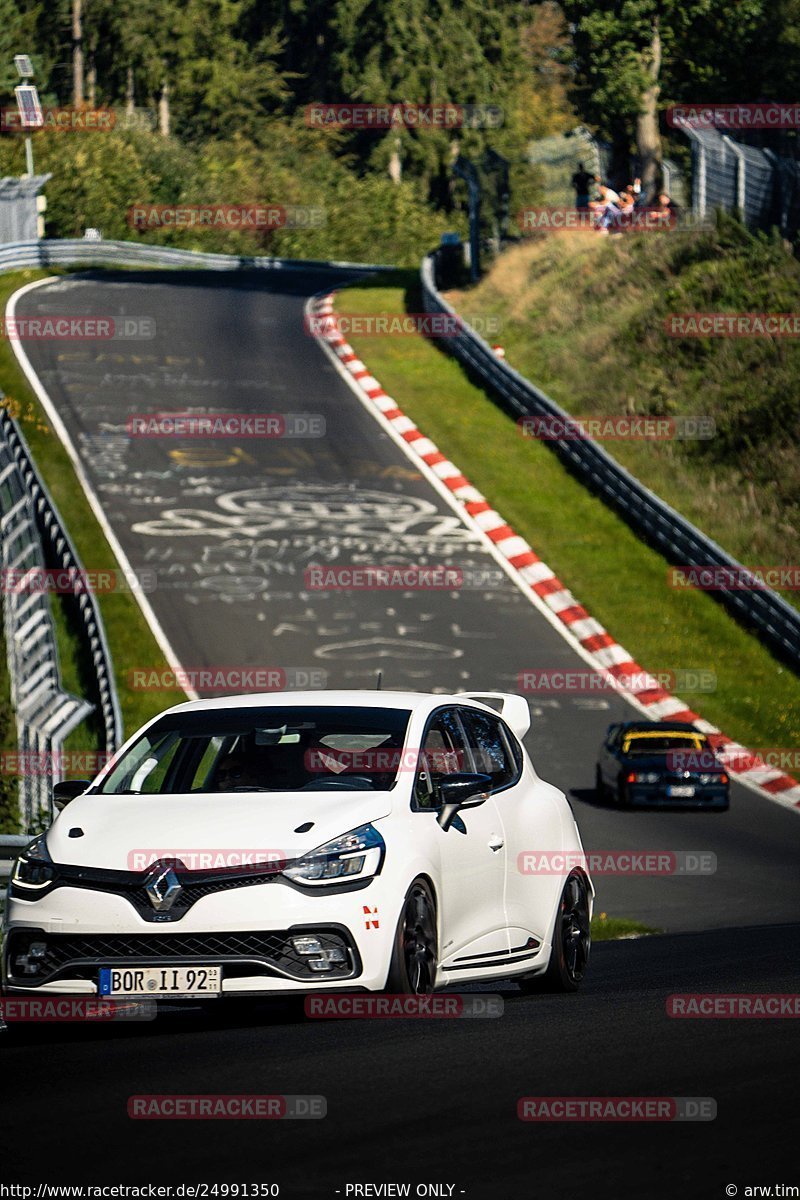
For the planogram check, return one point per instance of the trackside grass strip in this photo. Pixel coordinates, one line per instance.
(621, 581)
(614, 929)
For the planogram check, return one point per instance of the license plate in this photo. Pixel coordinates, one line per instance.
(160, 981)
(680, 791)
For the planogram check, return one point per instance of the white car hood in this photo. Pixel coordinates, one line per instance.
(123, 833)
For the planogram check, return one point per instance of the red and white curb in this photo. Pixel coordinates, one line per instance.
(577, 625)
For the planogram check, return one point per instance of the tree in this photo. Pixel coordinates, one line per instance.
(544, 89)
(17, 36)
(223, 82)
(631, 54)
(77, 53)
(427, 52)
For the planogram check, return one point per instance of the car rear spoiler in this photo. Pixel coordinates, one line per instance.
(513, 709)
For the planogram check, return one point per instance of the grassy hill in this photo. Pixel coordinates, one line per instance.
(584, 318)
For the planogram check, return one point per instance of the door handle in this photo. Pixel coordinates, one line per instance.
(496, 842)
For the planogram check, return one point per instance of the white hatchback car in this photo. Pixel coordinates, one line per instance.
(351, 840)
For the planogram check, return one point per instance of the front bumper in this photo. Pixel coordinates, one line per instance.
(243, 955)
(247, 932)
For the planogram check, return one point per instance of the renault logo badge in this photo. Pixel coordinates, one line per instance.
(163, 887)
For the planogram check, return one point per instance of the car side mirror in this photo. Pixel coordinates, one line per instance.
(462, 790)
(66, 790)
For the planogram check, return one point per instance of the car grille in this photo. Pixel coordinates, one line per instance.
(272, 952)
(131, 885)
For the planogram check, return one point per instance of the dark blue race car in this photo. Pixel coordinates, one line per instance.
(660, 764)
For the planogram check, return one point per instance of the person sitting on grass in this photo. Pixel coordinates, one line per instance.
(667, 209)
(607, 208)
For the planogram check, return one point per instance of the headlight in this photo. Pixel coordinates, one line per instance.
(644, 777)
(717, 777)
(354, 855)
(34, 869)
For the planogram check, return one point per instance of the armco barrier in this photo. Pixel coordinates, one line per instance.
(45, 714)
(10, 846)
(60, 553)
(76, 252)
(660, 525)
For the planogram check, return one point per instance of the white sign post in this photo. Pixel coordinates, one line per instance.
(30, 110)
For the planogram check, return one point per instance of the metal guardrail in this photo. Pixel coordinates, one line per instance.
(66, 252)
(59, 552)
(10, 846)
(660, 525)
(45, 713)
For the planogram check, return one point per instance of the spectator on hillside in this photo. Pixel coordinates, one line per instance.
(634, 190)
(626, 205)
(607, 209)
(607, 194)
(668, 209)
(582, 182)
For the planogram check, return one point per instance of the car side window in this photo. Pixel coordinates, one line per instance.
(490, 748)
(612, 739)
(442, 753)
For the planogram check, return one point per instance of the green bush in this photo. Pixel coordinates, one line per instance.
(98, 176)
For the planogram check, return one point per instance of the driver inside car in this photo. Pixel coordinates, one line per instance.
(278, 767)
(236, 771)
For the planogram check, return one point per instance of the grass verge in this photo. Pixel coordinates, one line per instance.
(615, 929)
(622, 581)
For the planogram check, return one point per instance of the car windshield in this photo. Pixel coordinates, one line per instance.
(662, 743)
(263, 749)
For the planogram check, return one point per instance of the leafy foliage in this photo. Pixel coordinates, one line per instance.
(713, 50)
(230, 80)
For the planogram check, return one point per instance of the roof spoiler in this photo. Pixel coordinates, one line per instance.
(513, 709)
